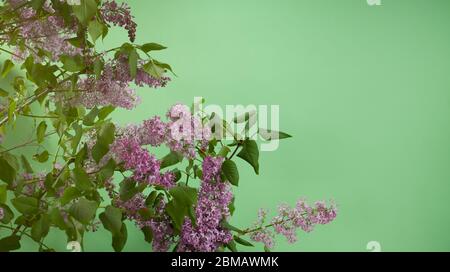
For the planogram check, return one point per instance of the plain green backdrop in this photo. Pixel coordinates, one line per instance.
(365, 90)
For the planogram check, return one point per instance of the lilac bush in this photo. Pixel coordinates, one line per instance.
(103, 173)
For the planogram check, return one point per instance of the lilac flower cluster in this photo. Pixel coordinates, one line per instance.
(163, 233)
(122, 74)
(105, 92)
(113, 87)
(213, 200)
(161, 226)
(119, 15)
(184, 130)
(145, 167)
(33, 182)
(2, 213)
(48, 33)
(290, 219)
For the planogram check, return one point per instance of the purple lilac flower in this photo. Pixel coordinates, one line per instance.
(153, 132)
(119, 15)
(2, 213)
(211, 168)
(212, 207)
(290, 219)
(129, 151)
(184, 130)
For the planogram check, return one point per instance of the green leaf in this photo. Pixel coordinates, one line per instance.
(82, 180)
(119, 241)
(69, 194)
(224, 151)
(95, 29)
(81, 155)
(42, 157)
(72, 63)
(84, 210)
(8, 214)
(40, 132)
(7, 172)
(232, 246)
(10, 243)
(250, 154)
(85, 11)
(148, 234)
(269, 135)
(89, 119)
(26, 165)
(244, 117)
(242, 241)
(128, 189)
(3, 193)
(77, 138)
(112, 220)
(171, 159)
(105, 137)
(40, 228)
(132, 62)
(99, 64)
(26, 205)
(231, 172)
(163, 66)
(49, 182)
(7, 67)
(37, 4)
(228, 226)
(12, 110)
(57, 219)
(183, 200)
(105, 111)
(154, 70)
(3, 93)
(152, 47)
(107, 171)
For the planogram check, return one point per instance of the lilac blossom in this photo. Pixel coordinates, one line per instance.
(119, 15)
(289, 219)
(212, 207)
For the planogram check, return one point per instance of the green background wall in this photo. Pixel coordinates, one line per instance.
(365, 90)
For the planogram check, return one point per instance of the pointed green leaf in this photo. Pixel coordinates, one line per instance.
(95, 29)
(40, 132)
(242, 241)
(231, 172)
(85, 11)
(112, 220)
(7, 67)
(26, 165)
(83, 210)
(10, 243)
(7, 172)
(72, 63)
(42, 157)
(119, 241)
(82, 180)
(181, 205)
(132, 62)
(152, 47)
(40, 228)
(3, 193)
(171, 159)
(70, 193)
(26, 205)
(250, 154)
(269, 135)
